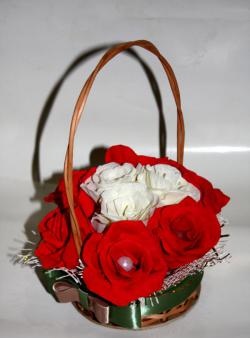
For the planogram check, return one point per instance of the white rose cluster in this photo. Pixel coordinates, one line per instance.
(125, 192)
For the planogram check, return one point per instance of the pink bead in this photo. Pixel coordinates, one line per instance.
(126, 263)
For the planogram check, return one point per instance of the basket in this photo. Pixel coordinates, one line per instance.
(163, 304)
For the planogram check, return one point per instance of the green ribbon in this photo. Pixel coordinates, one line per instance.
(128, 316)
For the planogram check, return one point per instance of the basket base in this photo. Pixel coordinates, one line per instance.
(151, 320)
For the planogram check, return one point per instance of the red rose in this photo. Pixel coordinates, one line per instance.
(81, 198)
(210, 197)
(123, 263)
(57, 248)
(123, 154)
(186, 231)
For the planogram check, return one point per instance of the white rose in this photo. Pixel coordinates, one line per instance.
(99, 222)
(167, 182)
(106, 175)
(128, 201)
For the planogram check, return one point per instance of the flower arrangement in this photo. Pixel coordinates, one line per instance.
(146, 217)
(129, 239)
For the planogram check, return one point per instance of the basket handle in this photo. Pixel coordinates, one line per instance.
(79, 107)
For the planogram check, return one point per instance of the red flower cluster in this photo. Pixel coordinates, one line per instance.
(130, 260)
(56, 248)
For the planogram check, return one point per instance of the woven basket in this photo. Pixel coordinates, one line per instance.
(178, 298)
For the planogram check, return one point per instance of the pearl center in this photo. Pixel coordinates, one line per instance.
(126, 263)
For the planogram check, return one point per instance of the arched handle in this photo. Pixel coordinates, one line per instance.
(79, 107)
